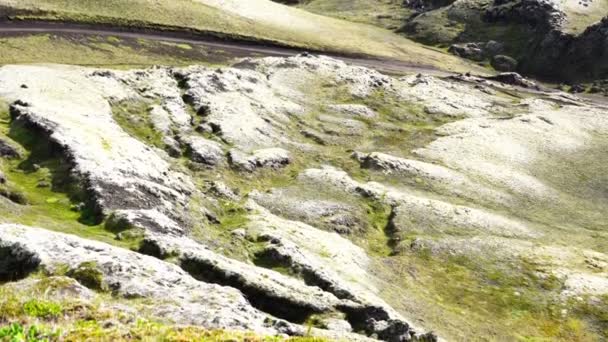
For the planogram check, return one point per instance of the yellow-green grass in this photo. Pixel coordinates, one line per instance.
(580, 17)
(109, 52)
(390, 14)
(477, 300)
(257, 19)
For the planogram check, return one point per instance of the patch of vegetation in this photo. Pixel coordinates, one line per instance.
(134, 118)
(42, 309)
(376, 238)
(232, 215)
(389, 14)
(109, 52)
(526, 301)
(23, 318)
(16, 332)
(89, 275)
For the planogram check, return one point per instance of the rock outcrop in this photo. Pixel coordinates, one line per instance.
(283, 193)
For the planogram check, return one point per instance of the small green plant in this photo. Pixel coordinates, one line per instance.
(16, 332)
(42, 309)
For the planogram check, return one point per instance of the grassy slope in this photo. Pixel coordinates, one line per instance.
(261, 19)
(388, 14)
(108, 52)
(581, 17)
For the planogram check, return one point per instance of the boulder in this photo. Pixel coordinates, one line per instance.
(493, 48)
(204, 151)
(8, 151)
(265, 158)
(513, 78)
(473, 51)
(504, 63)
(151, 220)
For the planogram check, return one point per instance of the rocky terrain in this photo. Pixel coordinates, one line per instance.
(557, 40)
(560, 41)
(303, 196)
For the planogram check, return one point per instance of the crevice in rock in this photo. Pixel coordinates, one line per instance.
(391, 230)
(17, 262)
(265, 301)
(376, 322)
(272, 258)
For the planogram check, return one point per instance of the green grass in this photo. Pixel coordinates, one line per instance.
(42, 309)
(389, 14)
(134, 118)
(473, 294)
(110, 52)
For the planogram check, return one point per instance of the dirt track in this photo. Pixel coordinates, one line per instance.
(236, 47)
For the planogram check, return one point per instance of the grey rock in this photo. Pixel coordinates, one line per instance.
(172, 147)
(265, 158)
(204, 151)
(473, 51)
(220, 189)
(337, 324)
(331, 215)
(148, 219)
(272, 292)
(513, 78)
(8, 151)
(129, 175)
(354, 110)
(240, 233)
(493, 48)
(504, 63)
(56, 287)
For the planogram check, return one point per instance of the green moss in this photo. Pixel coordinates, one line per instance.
(89, 275)
(376, 238)
(134, 118)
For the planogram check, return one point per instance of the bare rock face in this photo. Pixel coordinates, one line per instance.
(143, 219)
(204, 151)
(265, 158)
(331, 215)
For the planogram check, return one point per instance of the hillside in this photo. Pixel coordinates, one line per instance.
(561, 41)
(253, 20)
(191, 171)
